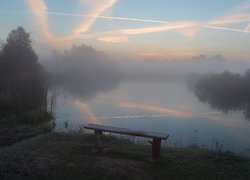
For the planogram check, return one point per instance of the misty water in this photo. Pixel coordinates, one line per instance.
(166, 107)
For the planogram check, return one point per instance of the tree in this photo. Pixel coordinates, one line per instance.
(226, 91)
(23, 82)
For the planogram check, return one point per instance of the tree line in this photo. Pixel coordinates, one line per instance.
(23, 81)
(226, 91)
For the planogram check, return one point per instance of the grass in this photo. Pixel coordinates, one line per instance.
(15, 128)
(84, 156)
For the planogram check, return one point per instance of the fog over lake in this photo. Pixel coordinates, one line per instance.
(154, 96)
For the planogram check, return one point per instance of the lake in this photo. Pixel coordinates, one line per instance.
(167, 107)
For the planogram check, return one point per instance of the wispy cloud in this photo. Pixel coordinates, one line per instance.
(154, 29)
(137, 31)
(243, 7)
(239, 14)
(96, 8)
(114, 39)
(39, 9)
(219, 21)
(240, 18)
(189, 29)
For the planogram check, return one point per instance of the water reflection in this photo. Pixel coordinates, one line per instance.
(225, 92)
(90, 117)
(158, 109)
(173, 109)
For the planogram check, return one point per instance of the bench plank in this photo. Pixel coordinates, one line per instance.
(126, 131)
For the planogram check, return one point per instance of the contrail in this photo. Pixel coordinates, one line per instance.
(39, 9)
(159, 21)
(145, 20)
(227, 29)
(243, 19)
(97, 8)
(99, 17)
(109, 17)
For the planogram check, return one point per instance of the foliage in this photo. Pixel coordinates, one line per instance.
(23, 82)
(225, 91)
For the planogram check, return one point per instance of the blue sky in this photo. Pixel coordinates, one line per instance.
(144, 28)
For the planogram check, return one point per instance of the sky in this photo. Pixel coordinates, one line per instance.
(160, 29)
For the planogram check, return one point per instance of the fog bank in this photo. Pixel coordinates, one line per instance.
(84, 72)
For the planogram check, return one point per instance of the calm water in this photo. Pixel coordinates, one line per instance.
(168, 107)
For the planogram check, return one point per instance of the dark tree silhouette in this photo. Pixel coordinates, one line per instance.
(23, 82)
(225, 91)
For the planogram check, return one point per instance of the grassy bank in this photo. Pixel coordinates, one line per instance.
(83, 156)
(16, 128)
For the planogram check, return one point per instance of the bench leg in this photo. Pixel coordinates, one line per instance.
(156, 148)
(98, 132)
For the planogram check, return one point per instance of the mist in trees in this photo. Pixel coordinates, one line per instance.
(226, 91)
(83, 71)
(23, 81)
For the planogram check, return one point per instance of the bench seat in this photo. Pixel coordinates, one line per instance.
(157, 137)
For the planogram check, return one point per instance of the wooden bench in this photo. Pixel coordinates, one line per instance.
(157, 137)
